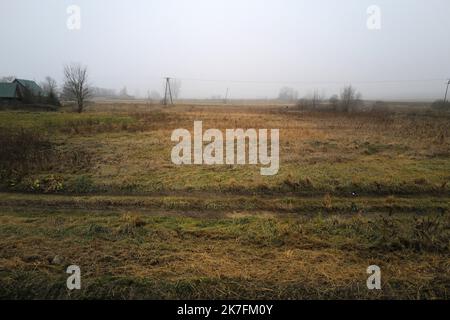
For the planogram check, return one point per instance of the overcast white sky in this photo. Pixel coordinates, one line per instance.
(320, 44)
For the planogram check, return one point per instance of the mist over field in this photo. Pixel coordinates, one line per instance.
(214, 150)
(251, 47)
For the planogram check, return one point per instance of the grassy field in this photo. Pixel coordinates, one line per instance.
(99, 190)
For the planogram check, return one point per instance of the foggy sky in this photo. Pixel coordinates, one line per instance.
(253, 47)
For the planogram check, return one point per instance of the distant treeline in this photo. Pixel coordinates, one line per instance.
(97, 92)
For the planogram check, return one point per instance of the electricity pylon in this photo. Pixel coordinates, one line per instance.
(167, 93)
(445, 97)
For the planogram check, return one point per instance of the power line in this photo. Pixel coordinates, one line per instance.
(314, 82)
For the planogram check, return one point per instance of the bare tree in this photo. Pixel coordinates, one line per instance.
(316, 99)
(50, 88)
(123, 93)
(287, 94)
(175, 85)
(311, 101)
(76, 85)
(350, 99)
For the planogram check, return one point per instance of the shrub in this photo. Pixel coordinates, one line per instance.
(46, 184)
(52, 99)
(83, 184)
(303, 104)
(334, 102)
(440, 105)
(23, 151)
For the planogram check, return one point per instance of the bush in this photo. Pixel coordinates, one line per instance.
(303, 104)
(83, 184)
(46, 184)
(23, 151)
(28, 97)
(334, 102)
(52, 99)
(440, 105)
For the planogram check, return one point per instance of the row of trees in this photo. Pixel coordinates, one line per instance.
(348, 100)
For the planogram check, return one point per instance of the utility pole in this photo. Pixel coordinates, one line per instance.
(446, 91)
(226, 97)
(167, 92)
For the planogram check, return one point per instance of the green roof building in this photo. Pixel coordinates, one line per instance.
(17, 89)
(9, 91)
(30, 85)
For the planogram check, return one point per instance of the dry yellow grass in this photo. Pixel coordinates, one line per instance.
(352, 190)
